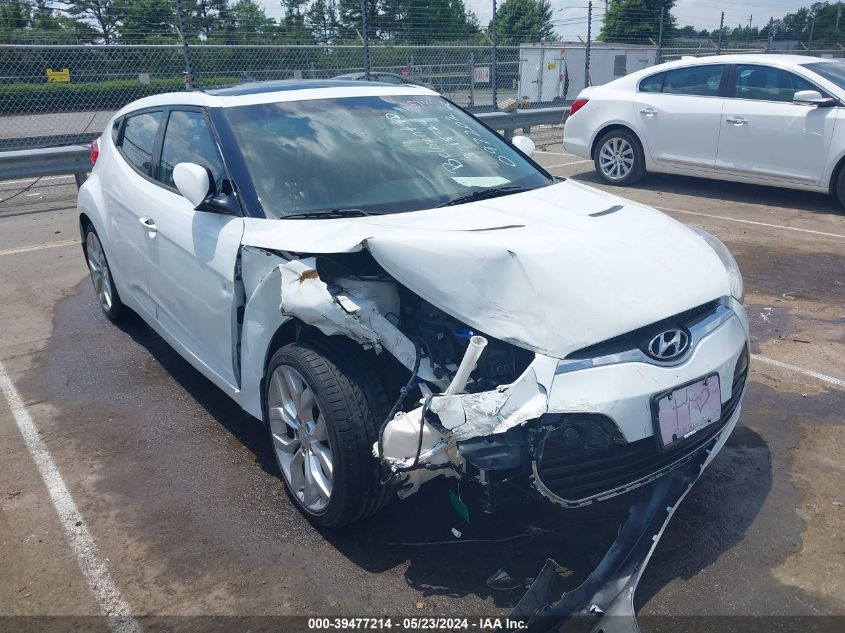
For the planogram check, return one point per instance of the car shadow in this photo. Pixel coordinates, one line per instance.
(417, 533)
(723, 191)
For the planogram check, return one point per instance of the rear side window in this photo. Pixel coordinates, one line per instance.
(139, 137)
(189, 140)
(701, 81)
(652, 84)
(765, 83)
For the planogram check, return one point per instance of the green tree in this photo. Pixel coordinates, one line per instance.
(149, 21)
(101, 16)
(293, 22)
(349, 19)
(637, 21)
(411, 21)
(203, 18)
(521, 21)
(321, 20)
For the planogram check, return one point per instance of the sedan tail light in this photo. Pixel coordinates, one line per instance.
(95, 152)
(577, 105)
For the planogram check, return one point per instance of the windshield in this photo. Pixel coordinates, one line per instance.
(832, 71)
(373, 154)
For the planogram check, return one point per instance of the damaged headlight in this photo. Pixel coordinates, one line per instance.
(735, 277)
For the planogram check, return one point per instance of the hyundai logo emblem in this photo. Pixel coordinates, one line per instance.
(669, 345)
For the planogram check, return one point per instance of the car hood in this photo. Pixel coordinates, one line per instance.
(553, 270)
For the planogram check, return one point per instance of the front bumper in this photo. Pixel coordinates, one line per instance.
(583, 432)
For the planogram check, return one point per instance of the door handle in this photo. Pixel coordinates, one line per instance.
(737, 121)
(648, 111)
(148, 224)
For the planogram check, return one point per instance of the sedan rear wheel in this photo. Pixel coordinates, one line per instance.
(619, 158)
(101, 275)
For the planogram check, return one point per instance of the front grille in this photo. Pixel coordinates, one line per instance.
(638, 339)
(579, 477)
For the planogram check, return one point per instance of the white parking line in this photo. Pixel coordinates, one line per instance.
(43, 179)
(836, 382)
(95, 572)
(773, 226)
(574, 162)
(38, 247)
(545, 151)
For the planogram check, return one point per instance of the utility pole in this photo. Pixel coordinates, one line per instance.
(365, 37)
(838, 14)
(812, 28)
(771, 34)
(493, 60)
(660, 35)
(186, 52)
(589, 37)
(721, 33)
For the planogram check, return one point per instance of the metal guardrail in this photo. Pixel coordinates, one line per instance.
(507, 122)
(74, 159)
(49, 161)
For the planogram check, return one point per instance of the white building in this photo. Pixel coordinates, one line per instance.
(549, 72)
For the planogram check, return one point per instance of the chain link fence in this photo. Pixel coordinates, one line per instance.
(57, 94)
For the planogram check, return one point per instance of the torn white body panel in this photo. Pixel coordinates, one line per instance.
(348, 313)
(531, 269)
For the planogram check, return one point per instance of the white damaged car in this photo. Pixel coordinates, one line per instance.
(399, 294)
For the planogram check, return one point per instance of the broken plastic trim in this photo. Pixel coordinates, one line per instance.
(605, 600)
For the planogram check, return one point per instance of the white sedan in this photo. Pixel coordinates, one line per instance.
(398, 293)
(764, 119)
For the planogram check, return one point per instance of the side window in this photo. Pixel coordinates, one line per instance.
(652, 84)
(139, 137)
(188, 140)
(694, 80)
(765, 83)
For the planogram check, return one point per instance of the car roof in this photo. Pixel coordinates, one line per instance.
(258, 92)
(743, 58)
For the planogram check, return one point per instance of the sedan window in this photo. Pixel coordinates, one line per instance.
(764, 83)
(188, 140)
(694, 80)
(652, 84)
(384, 154)
(139, 136)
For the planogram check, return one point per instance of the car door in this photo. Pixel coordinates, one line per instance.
(192, 254)
(130, 194)
(764, 134)
(678, 112)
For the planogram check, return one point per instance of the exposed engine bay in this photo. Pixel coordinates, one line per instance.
(517, 423)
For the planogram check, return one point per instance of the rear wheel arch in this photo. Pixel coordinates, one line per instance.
(833, 185)
(84, 223)
(610, 128)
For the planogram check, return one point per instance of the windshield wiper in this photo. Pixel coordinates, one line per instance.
(329, 213)
(484, 194)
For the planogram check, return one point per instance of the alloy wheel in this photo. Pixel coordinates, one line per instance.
(616, 158)
(300, 438)
(99, 267)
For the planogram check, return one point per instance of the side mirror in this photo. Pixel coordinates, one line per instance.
(193, 182)
(523, 144)
(812, 98)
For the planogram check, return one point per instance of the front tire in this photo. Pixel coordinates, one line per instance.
(101, 277)
(323, 411)
(840, 186)
(619, 158)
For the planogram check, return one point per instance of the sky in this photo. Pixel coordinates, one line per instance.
(571, 15)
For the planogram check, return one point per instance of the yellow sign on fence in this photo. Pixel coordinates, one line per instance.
(58, 76)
